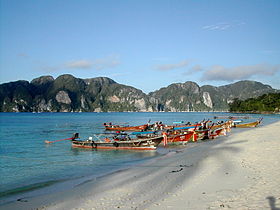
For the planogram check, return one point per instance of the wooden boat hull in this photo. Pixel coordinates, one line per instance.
(210, 134)
(217, 132)
(202, 134)
(182, 127)
(247, 125)
(224, 125)
(137, 144)
(231, 117)
(177, 138)
(126, 128)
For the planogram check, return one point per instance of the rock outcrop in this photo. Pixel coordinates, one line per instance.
(67, 93)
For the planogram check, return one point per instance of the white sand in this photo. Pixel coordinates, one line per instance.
(239, 171)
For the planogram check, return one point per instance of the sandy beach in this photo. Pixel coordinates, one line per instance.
(238, 171)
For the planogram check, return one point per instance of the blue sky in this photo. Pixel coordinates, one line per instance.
(145, 44)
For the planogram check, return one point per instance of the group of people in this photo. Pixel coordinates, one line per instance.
(156, 126)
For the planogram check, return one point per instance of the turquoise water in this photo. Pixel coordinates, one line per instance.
(27, 163)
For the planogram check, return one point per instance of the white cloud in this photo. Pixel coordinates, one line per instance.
(98, 64)
(110, 61)
(196, 68)
(107, 62)
(167, 67)
(79, 64)
(218, 26)
(240, 72)
(49, 69)
(222, 26)
(269, 51)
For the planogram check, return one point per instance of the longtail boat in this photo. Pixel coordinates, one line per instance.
(183, 126)
(248, 125)
(182, 137)
(209, 133)
(226, 124)
(202, 134)
(173, 136)
(231, 117)
(189, 132)
(111, 127)
(126, 143)
(217, 132)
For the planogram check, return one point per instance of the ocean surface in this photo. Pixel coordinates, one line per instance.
(29, 167)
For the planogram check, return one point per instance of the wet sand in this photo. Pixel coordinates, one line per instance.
(238, 171)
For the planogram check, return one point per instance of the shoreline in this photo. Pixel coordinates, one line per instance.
(239, 171)
(57, 186)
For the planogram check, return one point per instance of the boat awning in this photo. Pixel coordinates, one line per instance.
(144, 132)
(183, 128)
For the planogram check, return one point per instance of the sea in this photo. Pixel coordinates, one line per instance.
(30, 167)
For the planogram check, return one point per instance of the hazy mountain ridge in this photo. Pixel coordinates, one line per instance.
(67, 93)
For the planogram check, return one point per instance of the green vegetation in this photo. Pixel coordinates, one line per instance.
(67, 93)
(265, 103)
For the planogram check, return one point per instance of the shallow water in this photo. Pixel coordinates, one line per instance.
(27, 163)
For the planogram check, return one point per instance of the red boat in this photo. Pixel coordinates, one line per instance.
(110, 127)
(204, 134)
(217, 132)
(183, 127)
(182, 137)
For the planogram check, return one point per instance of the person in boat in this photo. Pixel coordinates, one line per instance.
(204, 126)
(155, 126)
(160, 125)
(75, 136)
(208, 124)
(122, 136)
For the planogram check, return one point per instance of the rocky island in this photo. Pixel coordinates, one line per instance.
(67, 93)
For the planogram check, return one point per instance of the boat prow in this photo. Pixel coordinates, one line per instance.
(248, 125)
(133, 144)
(110, 127)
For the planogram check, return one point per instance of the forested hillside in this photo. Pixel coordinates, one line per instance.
(67, 93)
(265, 103)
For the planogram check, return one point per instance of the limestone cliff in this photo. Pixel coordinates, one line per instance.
(67, 93)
